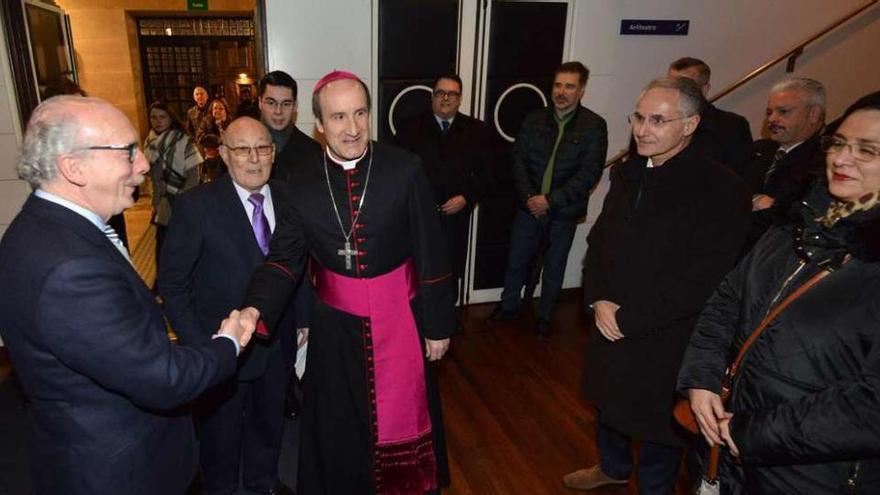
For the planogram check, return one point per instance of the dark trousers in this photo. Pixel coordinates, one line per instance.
(657, 468)
(455, 234)
(528, 237)
(240, 426)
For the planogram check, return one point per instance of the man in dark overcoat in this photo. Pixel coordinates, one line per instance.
(455, 154)
(670, 229)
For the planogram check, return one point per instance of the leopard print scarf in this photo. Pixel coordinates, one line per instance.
(842, 209)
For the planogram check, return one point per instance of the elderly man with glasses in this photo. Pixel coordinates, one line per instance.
(671, 227)
(455, 154)
(84, 333)
(218, 236)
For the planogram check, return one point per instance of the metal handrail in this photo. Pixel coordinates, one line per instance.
(791, 55)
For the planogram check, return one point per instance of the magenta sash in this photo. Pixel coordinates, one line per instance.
(404, 456)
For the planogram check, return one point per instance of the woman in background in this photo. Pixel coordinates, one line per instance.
(174, 165)
(217, 120)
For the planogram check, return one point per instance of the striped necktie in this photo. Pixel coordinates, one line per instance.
(773, 163)
(117, 242)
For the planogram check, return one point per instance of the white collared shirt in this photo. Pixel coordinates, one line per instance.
(440, 120)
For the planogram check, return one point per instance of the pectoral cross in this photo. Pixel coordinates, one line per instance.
(348, 252)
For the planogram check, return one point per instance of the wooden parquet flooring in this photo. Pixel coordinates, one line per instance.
(515, 423)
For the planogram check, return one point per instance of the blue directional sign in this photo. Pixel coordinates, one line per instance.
(655, 27)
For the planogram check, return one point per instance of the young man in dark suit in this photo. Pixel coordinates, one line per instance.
(84, 333)
(278, 112)
(219, 234)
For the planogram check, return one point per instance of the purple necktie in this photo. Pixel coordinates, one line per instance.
(260, 223)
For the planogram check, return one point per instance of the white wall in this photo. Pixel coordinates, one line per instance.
(309, 38)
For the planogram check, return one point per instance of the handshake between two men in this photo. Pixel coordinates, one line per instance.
(239, 326)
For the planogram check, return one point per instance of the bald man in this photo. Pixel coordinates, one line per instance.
(84, 333)
(197, 112)
(218, 235)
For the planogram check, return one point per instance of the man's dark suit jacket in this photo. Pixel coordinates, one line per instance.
(725, 137)
(457, 163)
(88, 342)
(790, 181)
(794, 172)
(208, 259)
(298, 150)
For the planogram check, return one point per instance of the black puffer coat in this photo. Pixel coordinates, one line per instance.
(806, 401)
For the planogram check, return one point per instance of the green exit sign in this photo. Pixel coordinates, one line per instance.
(196, 4)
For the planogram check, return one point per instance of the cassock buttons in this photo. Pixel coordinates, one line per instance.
(362, 253)
(358, 226)
(355, 198)
(360, 240)
(355, 183)
(362, 267)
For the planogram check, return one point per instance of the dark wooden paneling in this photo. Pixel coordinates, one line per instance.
(525, 46)
(417, 42)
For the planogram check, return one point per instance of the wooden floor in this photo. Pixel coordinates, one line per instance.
(514, 420)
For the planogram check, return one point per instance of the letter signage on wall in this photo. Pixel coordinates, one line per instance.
(196, 4)
(655, 27)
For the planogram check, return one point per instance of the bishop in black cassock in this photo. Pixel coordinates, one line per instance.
(365, 214)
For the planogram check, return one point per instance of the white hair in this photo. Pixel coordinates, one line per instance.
(814, 89)
(51, 132)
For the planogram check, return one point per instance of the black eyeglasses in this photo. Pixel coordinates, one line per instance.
(131, 149)
(442, 95)
(242, 151)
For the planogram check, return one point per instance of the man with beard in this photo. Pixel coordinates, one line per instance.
(557, 159)
(671, 227)
(84, 333)
(365, 215)
(782, 168)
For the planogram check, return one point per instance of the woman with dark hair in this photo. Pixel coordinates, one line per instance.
(174, 164)
(803, 413)
(218, 119)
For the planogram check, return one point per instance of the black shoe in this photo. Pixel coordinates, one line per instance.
(281, 489)
(542, 331)
(500, 314)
